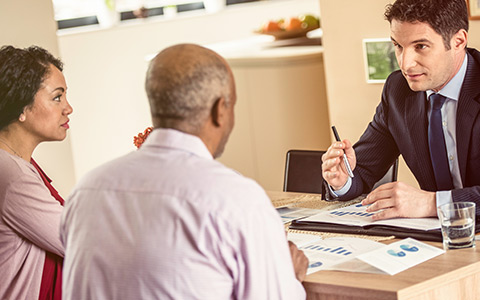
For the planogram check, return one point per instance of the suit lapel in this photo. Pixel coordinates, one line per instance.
(417, 123)
(467, 112)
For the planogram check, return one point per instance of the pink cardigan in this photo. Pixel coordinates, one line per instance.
(29, 223)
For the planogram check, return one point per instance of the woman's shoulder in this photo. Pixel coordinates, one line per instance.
(14, 167)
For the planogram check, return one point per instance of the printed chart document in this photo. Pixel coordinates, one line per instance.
(322, 254)
(362, 255)
(288, 214)
(355, 219)
(400, 255)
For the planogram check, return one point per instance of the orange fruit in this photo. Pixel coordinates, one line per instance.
(292, 24)
(271, 26)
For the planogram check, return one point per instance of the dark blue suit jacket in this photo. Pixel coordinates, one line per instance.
(400, 127)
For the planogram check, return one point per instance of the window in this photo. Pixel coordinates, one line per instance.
(74, 13)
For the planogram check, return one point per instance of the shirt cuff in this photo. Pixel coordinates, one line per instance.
(443, 197)
(343, 190)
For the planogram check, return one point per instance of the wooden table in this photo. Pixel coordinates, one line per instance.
(454, 275)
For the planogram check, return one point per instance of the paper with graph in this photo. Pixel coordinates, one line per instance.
(362, 255)
(356, 215)
(328, 252)
(400, 255)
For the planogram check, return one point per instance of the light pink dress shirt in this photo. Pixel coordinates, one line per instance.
(169, 222)
(29, 223)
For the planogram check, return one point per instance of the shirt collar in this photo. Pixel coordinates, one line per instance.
(175, 139)
(453, 87)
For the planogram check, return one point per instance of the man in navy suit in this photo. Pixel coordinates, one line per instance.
(430, 39)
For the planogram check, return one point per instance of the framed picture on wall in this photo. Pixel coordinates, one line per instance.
(380, 60)
(473, 9)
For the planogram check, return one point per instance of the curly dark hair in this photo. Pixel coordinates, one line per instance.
(446, 17)
(22, 71)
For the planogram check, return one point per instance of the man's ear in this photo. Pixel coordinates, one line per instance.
(459, 39)
(218, 111)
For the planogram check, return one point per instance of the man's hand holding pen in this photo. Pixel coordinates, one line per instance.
(334, 170)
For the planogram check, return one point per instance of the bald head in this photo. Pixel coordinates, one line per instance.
(183, 83)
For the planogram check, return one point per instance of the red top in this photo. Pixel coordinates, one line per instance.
(51, 286)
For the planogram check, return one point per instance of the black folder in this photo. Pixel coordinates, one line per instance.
(434, 235)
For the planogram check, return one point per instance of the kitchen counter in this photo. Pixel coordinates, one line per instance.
(265, 50)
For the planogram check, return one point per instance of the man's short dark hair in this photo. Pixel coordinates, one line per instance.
(22, 72)
(446, 17)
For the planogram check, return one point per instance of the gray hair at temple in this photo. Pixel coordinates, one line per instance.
(183, 82)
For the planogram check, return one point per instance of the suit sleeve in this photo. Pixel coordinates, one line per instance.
(376, 150)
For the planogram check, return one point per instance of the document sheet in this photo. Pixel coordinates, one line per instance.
(288, 214)
(362, 255)
(356, 215)
(324, 253)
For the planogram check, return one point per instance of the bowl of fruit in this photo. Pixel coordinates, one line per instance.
(293, 27)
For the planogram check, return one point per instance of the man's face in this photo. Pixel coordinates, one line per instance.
(422, 56)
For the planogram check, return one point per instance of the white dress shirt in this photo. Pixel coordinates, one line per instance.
(169, 222)
(449, 116)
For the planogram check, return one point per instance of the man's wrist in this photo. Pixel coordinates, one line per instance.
(343, 190)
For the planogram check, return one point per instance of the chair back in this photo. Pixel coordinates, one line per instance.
(390, 176)
(303, 172)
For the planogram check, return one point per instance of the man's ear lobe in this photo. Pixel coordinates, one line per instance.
(218, 111)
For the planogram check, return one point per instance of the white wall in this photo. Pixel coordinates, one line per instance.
(105, 70)
(30, 22)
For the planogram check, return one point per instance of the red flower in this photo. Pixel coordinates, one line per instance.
(141, 137)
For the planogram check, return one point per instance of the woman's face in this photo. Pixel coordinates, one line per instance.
(47, 118)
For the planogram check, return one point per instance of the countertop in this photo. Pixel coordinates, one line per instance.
(265, 50)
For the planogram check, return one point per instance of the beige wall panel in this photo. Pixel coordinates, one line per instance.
(474, 34)
(286, 109)
(239, 153)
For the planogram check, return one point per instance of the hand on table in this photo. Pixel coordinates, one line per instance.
(397, 199)
(333, 168)
(300, 261)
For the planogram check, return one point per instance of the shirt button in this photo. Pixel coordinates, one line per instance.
(451, 157)
(444, 123)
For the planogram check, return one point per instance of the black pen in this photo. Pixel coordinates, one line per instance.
(345, 160)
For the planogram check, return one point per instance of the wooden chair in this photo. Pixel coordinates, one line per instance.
(303, 172)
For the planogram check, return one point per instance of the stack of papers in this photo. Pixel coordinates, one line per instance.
(362, 255)
(355, 219)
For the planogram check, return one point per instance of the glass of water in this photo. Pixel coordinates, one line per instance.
(458, 224)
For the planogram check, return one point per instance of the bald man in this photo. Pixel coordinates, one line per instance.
(170, 222)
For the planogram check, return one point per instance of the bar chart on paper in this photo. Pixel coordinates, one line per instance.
(331, 251)
(357, 215)
(357, 210)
